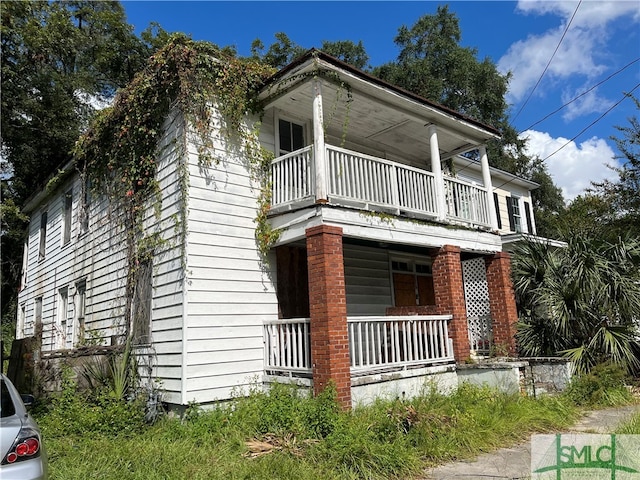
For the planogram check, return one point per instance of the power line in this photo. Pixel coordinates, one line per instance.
(582, 94)
(592, 123)
(549, 62)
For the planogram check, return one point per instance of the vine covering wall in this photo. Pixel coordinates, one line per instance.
(118, 153)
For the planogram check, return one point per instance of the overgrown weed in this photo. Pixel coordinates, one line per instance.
(604, 386)
(302, 436)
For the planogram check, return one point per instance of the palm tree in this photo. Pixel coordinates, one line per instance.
(582, 301)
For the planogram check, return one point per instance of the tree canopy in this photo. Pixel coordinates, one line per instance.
(60, 60)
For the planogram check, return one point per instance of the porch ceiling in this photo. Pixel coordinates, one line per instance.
(380, 117)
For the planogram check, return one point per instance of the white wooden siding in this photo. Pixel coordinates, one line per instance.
(368, 285)
(230, 291)
(97, 258)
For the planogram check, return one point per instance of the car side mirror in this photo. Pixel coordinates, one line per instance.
(28, 400)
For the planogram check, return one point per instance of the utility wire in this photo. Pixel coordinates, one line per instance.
(549, 62)
(582, 94)
(593, 123)
(581, 132)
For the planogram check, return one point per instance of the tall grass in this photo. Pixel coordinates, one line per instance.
(305, 438)
(630, 427)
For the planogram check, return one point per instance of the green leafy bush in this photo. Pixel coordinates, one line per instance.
(73, 412)
(604, 385)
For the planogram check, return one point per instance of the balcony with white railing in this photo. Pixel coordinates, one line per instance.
(375, 184)
(375, 344)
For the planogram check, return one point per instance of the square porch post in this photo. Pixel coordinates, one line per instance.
(328, 312)
(449, 292)
(504, 314)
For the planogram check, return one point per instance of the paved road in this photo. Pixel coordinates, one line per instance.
(515, 463)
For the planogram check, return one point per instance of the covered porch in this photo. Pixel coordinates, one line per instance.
(358, 312)
(342, 137)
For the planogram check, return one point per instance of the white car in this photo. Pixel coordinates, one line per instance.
(21, 448)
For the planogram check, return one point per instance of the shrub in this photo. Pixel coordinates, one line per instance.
(72, 412)
(604, 385)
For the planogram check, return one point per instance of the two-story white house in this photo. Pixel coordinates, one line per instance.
(389, 266)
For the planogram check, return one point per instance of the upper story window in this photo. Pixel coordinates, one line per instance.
(515, 216)
(291, 136)
(25, 264)
(67, 206)
(412, 282)
(83, 209)
(43, 235)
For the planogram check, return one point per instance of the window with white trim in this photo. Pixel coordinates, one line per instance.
(43, 235)
(412, 282)
(83, 208)
(37, 317)
(290, 136)
(515, 215)
(79, 312)
(62, 318)
(67, 206)
(20, 327)
(25, 264)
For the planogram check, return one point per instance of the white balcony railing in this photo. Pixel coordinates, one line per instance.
(376, 184)
(374, 343)
(466, 202)
(292, 177)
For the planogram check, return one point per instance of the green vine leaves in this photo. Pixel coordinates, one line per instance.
(119, 150)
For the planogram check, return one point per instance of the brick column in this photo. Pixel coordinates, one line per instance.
(328, 311)
(502, 302)
(449, 293)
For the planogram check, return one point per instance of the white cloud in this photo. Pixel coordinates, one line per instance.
(586, 104)
(582, 52)
(575, 166)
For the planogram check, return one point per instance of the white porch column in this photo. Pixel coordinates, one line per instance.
(486, 180)
(318, 144)
(436, 166)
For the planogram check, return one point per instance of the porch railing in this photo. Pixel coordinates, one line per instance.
(374, 343)
(374, 181)
(466, 202)
(291, 177)
(376, 184)
(287, 346)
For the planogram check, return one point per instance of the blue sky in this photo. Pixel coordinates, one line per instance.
(520, 37)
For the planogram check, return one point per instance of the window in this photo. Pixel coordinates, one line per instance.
(291, 136)
(80, 306)
(43, 235)
(37, 318)
(142, 303)
(83, 210)
(515, 217)
(67, 206)
(412, 283)
(61, 319)
(20, 327)
(25, 264)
